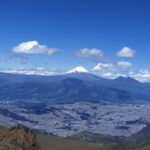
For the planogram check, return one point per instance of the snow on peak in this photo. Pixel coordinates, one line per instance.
(78, 69)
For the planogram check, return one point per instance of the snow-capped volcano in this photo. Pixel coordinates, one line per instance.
(78, 69)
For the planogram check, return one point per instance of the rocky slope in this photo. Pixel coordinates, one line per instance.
(17, 138)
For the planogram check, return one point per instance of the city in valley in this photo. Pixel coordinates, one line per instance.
(66, 119)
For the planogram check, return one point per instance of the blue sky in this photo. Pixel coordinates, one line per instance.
(57, 35)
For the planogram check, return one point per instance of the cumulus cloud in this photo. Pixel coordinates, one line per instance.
(33, 47)
(141, 75)
(124, 64)
(87, 52)
(103, 66)
(112, 70)
(126, 52)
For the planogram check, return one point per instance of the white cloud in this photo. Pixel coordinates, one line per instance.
(124, 64)
(108, 74)
(112, 75)
(103, 66)
(30, 71)
(33, 47)
(126, 52)
(87, 52)
(141, 75)
(111, 70)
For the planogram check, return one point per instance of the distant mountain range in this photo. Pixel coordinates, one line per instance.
(77, 85)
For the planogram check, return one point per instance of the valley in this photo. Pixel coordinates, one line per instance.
(67, 119)
(77, 107)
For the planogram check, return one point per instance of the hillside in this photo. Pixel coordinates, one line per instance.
(56, 143)
(17, 138)
(96, 138)
(21, 138)
(71, 87)
(141, 137)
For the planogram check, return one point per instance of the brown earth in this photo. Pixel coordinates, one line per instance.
(17, 138)
(20, 138)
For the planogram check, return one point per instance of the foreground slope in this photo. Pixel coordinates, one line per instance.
(141, 137)
(17, 138)
(56, 143)
(21, 138)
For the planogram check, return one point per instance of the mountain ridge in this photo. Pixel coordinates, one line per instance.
(72, 87)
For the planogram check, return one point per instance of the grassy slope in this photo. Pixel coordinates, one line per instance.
(20, 138)
(17, 138)
(56, 143)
